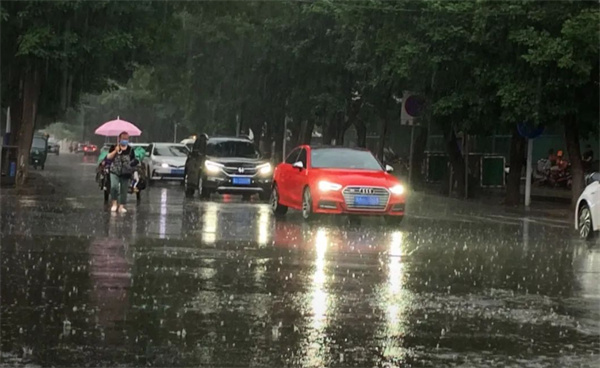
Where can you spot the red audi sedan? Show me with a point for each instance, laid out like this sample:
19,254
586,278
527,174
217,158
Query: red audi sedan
336,180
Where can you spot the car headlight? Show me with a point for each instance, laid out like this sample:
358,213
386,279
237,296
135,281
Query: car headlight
212,167
264,169
164,165
326,186
397,189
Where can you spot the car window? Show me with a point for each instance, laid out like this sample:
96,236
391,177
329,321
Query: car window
38,143
342,158
292,157
302,157
171,151
232,149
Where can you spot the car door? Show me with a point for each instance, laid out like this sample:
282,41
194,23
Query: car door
594,197
298,178
284,176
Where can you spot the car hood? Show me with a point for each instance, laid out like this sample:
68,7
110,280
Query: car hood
237,161
357,177
173,161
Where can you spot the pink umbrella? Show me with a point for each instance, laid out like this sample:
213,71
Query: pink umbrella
115,127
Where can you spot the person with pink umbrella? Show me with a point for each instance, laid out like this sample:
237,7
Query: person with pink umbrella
122,160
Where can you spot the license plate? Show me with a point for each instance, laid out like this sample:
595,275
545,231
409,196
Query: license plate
366,200
177,171
241,181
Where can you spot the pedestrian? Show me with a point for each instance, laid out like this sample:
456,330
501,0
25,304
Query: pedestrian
122,160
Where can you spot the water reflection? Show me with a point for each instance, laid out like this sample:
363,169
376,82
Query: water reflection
163,213
264,225
321,303
397,300
210,222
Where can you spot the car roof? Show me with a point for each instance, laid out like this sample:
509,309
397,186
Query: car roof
228,139
168,144
325,147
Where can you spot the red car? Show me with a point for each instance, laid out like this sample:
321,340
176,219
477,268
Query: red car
336,180
90,149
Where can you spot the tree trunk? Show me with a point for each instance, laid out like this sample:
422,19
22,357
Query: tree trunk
306,129
31,89
419,156
456,159
574,150
361,131
518,145
383,128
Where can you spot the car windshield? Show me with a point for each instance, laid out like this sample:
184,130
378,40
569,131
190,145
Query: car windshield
232,149
38,143
172,151
343,159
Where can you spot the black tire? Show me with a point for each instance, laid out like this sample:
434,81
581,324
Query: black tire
307,205
106,195
585,225
264,196
278,208
394,220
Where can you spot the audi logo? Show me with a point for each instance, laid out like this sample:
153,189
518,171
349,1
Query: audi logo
241,170
364,190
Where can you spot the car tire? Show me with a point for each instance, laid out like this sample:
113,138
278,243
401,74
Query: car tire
307,205
585,226
278,208
394,220
264,196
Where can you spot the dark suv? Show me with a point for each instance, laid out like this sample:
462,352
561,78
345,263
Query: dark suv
227,165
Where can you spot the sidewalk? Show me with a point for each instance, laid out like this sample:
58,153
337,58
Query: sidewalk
36,184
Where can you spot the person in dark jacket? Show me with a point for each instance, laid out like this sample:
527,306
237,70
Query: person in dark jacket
122,160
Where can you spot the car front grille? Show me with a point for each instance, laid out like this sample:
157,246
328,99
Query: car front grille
240,170
350,193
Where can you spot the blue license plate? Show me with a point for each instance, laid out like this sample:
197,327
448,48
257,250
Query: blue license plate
241,181
366,201
177,171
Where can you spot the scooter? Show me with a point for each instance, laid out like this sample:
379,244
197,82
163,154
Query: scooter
103,179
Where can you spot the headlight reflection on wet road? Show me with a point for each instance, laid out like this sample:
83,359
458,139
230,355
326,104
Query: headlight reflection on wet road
321,303
264,225
397,301
209,230
163,213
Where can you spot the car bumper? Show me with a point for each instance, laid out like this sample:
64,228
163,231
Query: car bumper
169,173
335,204
225,185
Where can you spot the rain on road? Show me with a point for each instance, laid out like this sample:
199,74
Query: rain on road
182,282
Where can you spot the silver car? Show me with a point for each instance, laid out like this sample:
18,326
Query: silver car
166,161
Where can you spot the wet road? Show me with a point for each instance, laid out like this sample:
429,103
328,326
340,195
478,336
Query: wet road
180,282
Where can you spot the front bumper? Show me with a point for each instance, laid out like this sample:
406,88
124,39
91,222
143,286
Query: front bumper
225,184
333,203
168,173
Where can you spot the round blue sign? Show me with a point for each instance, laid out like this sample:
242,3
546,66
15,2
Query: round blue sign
414,105
530,131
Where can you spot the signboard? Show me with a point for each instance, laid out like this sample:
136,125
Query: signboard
412,107
492,172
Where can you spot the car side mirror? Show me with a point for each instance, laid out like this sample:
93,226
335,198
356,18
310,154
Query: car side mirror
389,169
298,165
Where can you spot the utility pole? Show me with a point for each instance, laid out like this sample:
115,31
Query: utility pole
528,172
175,132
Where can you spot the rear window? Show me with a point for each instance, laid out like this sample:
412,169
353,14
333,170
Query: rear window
232,149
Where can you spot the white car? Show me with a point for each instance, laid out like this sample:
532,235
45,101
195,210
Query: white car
166,161
587,216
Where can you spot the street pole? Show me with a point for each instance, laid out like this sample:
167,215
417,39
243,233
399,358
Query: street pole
466,142
410,154
175,133
285,124
528,172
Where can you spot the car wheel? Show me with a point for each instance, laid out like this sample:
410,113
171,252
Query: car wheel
585,224
278,208
394,220
307,205
264,196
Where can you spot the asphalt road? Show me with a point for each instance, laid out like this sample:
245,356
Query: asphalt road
184,282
